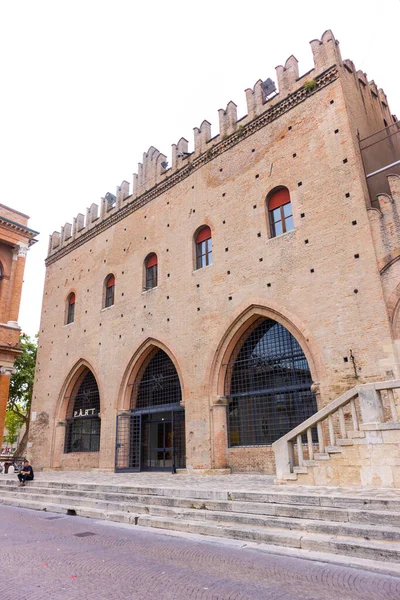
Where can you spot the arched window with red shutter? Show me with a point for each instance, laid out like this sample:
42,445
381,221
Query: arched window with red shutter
70,308
151,267
203,247
109,291
280,211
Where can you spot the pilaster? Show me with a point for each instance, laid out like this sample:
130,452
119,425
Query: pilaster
220,433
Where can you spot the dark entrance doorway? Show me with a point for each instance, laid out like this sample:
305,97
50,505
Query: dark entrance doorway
157,448
151,435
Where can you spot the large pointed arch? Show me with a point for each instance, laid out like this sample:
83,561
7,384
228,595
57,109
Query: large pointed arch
79,409
238,327
151,419
71,381
137,362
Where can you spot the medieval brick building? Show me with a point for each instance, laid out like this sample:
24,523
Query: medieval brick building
194,321
15,239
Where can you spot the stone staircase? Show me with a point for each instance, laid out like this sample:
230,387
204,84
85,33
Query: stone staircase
360,525
353,441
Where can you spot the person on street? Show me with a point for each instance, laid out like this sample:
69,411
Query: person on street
26,474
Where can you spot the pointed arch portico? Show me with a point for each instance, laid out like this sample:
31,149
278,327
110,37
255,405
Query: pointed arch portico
227,352
139,360
151,420
73,384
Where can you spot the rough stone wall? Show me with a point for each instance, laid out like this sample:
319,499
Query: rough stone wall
372,460
320,280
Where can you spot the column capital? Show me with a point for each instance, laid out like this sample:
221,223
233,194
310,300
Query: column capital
220,401
315,387
20,251
7,371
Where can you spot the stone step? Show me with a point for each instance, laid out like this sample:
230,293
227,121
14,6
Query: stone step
305,497
344,442
295,521
333,449
321,456
355,434
300,470
383,550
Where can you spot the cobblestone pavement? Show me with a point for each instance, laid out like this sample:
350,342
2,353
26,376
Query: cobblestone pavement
248,483
54,557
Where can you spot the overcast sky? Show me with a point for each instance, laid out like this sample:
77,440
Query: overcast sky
88,85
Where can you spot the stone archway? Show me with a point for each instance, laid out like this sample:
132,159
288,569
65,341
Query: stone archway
77,426
281,406
151,429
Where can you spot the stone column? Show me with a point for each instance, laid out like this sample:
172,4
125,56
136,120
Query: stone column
220,433
5,375
17,276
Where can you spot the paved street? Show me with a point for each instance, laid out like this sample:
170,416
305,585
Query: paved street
52,557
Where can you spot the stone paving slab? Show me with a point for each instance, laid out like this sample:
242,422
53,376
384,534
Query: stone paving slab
236,482
70,558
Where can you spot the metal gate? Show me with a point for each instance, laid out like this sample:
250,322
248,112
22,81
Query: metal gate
127,453
136,450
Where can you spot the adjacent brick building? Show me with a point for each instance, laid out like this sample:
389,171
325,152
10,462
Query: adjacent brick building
15,239
227,297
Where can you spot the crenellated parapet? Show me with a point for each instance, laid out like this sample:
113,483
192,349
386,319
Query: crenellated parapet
154,175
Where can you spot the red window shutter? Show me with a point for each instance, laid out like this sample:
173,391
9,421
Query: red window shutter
72,299
204,234
279,198
151,261
111,281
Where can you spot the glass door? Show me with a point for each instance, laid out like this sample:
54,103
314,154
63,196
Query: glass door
157,441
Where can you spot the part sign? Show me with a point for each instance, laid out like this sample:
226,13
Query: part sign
84,413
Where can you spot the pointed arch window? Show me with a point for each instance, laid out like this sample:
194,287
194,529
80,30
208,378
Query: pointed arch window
83,420
280,211
109,291
71,308
203,247
268,384
151,268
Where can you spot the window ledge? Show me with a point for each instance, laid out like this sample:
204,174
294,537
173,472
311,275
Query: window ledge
68,324
202,268
150,290
282,235
107,307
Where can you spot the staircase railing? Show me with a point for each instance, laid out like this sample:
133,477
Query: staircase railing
341,419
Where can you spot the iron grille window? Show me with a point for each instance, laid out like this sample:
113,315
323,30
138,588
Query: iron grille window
268,384
157,384
83,421
151,277
204,253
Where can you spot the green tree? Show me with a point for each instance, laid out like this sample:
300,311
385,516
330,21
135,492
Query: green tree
21,387
13,425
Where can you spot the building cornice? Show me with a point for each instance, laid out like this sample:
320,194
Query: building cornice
244,131
20,229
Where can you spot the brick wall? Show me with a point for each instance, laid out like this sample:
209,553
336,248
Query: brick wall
320,281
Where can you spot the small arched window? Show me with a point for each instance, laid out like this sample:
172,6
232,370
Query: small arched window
110,289
70,308
203,247
151,265
280,211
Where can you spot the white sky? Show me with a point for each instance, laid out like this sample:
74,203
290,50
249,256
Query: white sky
88,85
